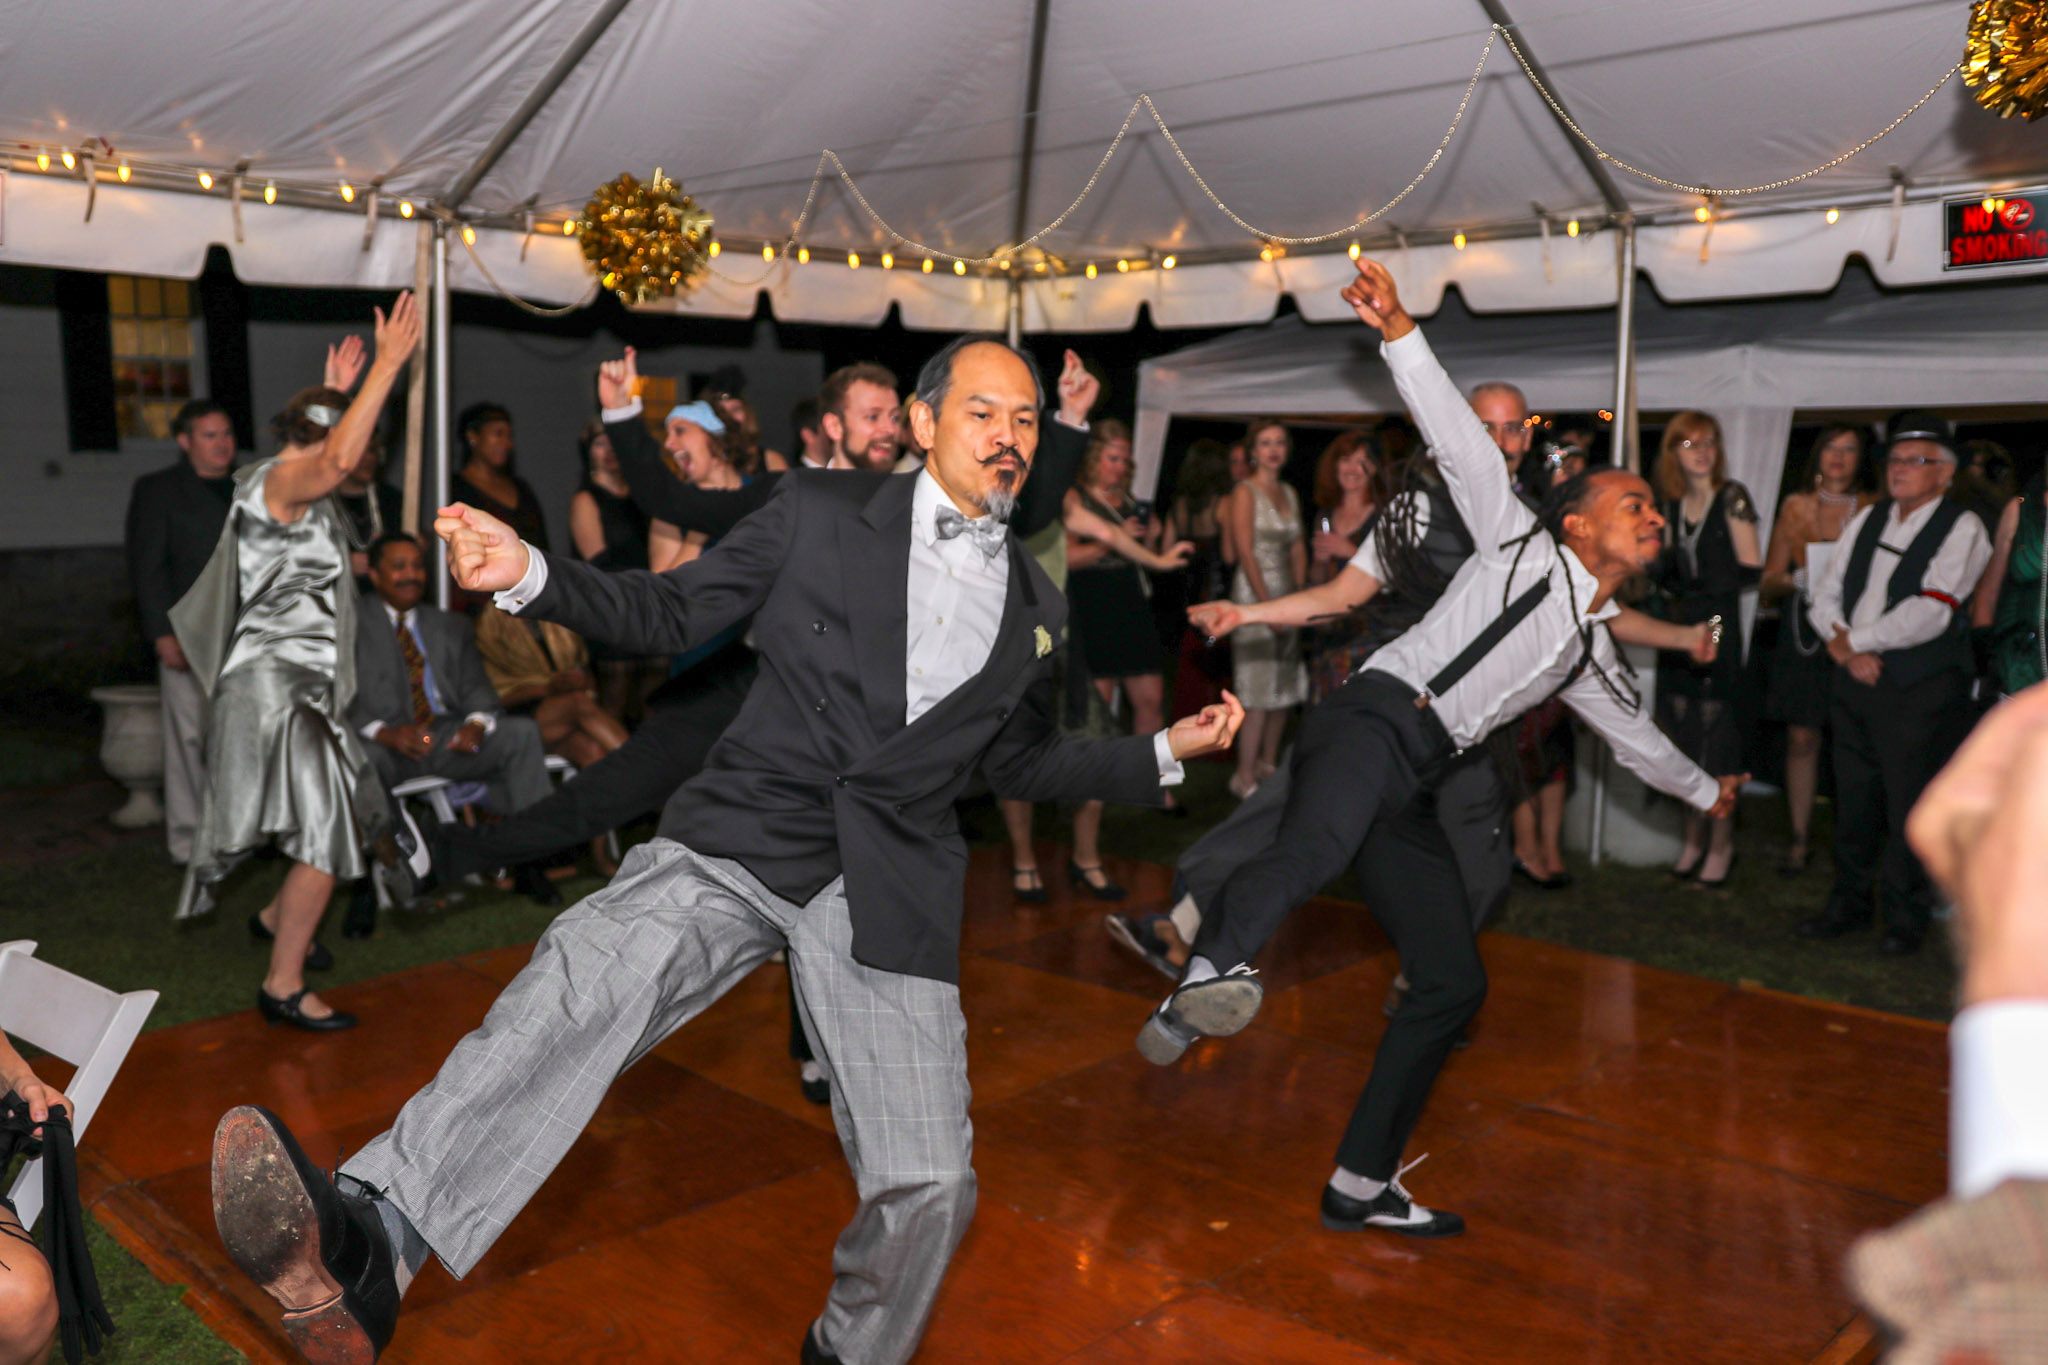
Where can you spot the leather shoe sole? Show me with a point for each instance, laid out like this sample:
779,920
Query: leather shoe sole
270,1224
1215,1008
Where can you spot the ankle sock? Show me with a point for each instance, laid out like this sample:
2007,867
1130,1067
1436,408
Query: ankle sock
810,1072
1356,1186
1199,969
409,1250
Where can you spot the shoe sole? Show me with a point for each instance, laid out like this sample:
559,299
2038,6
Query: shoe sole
1159,1044
1420,1230
1121,935
1221,1008
271,1230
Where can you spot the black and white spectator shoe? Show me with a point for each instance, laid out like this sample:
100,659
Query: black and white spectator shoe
1214,1007
1392,1210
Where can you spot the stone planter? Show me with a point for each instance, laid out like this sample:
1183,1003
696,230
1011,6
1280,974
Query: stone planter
132,750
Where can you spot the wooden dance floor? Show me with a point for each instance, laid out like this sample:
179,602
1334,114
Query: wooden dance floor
1654,1167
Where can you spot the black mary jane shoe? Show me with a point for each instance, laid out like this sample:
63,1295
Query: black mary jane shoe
1027,886
1107,890
288,1011
321,1254
318,958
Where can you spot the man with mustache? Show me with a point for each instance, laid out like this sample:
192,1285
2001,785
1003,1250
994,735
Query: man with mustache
1521,621
905,641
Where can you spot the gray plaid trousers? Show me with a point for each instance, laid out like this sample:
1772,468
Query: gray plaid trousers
624,968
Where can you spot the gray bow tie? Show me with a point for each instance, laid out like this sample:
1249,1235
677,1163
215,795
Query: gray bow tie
986,532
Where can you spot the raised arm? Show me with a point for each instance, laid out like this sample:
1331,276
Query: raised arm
1062,442
1470,462
292,484
656,491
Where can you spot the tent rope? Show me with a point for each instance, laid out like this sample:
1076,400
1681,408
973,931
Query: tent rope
450,220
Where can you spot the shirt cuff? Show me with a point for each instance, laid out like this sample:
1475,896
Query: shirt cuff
484,718
515,598
1070,426
1998,1107
1861,646
1171,774
370,731
631,410
1705,791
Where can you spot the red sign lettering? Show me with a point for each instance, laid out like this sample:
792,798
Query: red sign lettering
1995,231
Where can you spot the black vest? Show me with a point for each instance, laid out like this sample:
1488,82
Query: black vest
1951,648
1445,546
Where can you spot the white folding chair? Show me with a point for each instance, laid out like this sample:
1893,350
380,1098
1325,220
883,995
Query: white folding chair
69,1017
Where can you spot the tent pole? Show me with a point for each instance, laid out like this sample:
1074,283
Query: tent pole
1626,454
1014,328
439,318
1027,142
1610,193
543,90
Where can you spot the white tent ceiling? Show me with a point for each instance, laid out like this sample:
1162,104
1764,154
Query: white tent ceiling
1302,115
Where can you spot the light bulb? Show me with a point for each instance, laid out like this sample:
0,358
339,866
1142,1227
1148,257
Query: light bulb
803,255
1989,205
712,251
767,251
853,260
270,192
348,193
123,171
1571,229
1038,267
1122,266
1353,251
70,160
1458,241
206,180
1003,264
1090,271
959,267
569,228
43,164
888,261
1702,214
927,266
468,235
1265,253
1834,217
405,208
1169,262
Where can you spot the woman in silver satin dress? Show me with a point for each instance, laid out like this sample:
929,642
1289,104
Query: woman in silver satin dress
270,629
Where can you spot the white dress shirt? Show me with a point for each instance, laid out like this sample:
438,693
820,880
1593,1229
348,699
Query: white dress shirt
1540,652
1953,571
953,605
1998,1095
412,626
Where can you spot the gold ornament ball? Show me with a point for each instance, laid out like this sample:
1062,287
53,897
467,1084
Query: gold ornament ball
2005,57
645,242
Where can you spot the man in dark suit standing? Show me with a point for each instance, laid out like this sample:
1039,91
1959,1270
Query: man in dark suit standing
904,641
424,705
174,521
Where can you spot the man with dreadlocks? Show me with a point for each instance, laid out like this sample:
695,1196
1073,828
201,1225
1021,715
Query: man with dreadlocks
1518,623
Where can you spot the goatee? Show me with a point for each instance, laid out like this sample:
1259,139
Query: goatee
1000,503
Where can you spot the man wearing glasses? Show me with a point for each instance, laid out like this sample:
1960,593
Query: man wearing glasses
1890,604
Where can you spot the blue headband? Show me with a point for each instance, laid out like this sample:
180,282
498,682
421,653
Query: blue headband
699,412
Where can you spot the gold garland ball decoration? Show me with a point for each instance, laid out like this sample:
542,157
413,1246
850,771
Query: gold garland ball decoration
2005,58
645,242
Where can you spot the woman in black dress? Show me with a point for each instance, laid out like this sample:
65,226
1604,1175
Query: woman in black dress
1712,552
610,533
486,480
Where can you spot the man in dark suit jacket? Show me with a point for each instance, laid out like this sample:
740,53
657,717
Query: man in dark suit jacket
443,718
174,520
904,641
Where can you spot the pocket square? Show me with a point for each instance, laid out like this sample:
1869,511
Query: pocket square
1044,641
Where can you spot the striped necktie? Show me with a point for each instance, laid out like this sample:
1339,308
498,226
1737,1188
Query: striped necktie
415,672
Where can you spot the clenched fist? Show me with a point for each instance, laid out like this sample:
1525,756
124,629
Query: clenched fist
484,554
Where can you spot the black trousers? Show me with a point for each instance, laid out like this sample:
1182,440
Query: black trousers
1362,786
1889,743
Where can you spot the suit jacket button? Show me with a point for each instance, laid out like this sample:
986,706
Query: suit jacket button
840,780
1003,715
899,808
820,706
818,626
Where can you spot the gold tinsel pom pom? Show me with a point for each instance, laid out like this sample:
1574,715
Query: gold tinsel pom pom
2005,60
645,242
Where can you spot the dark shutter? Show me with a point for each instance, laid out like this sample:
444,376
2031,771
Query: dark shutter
224,303
88,361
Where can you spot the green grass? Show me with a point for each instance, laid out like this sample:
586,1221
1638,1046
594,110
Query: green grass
47,757
151,1322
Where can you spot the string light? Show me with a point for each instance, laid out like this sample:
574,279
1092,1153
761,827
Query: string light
888,261
1003,264
206,180
123,171
405,208
1571,229
270,192
1266,253
1169,262
927,266
767,252
853,260
1354,251
1090,271
1606,416
959,267
468,235
43,162
70,160
1458,241
803,255
713,250
348,193
1834,217
569,228
1702,214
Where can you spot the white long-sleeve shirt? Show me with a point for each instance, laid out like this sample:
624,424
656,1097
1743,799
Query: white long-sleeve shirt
1953,571
1540,652
1998,1105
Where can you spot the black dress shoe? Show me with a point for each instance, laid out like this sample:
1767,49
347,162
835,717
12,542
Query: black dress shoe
1139,934
288,1011
817,1090
318,959
813,1353
1716,883
1896,943
1392,1210
1105,890
1026,886
1831,925
531,882
320,1253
